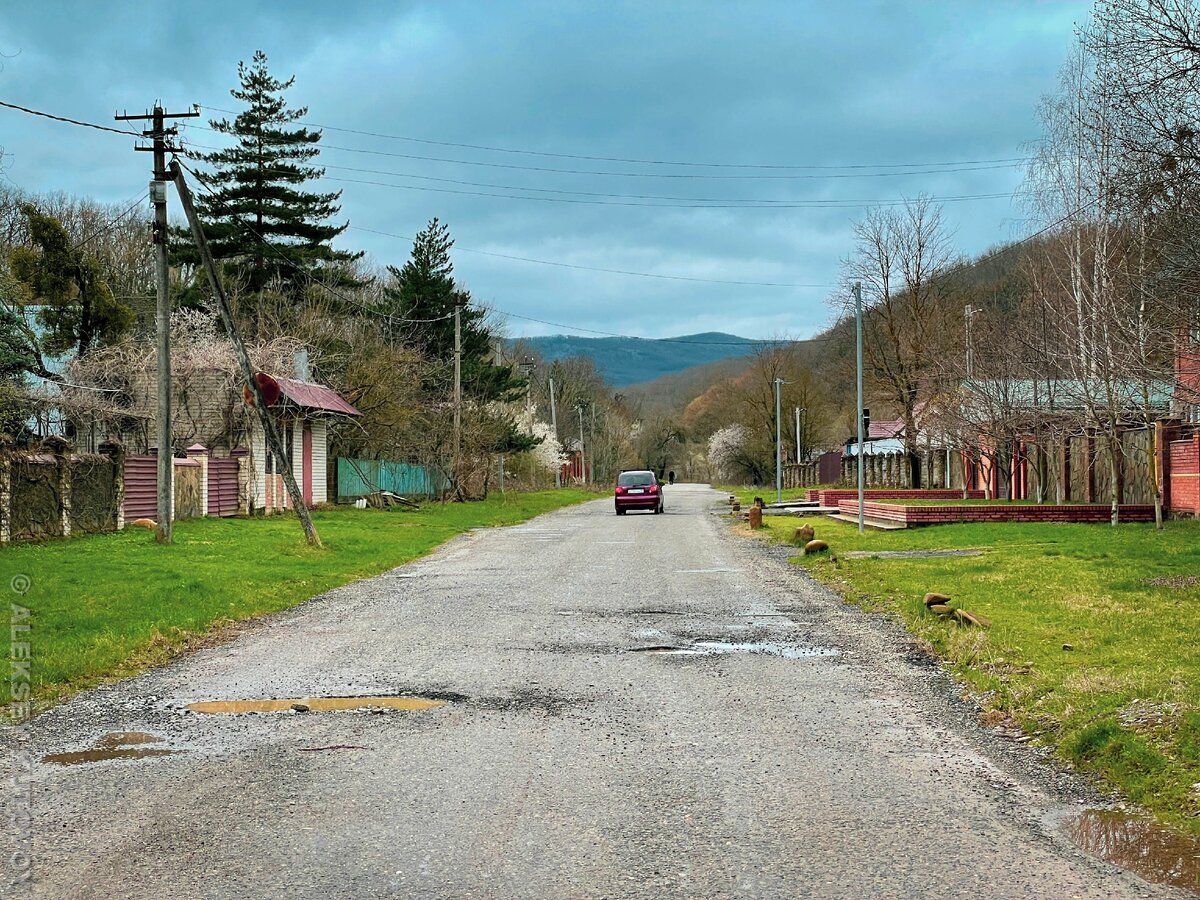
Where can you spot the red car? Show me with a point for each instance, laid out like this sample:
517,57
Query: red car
638,490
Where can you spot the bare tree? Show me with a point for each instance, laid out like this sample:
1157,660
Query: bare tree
902,257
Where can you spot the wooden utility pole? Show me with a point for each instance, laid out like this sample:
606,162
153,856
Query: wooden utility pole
162,320
269,425
457,400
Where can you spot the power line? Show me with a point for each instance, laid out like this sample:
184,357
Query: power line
547,262
391,318
622,159
112,223
928,170
68,121
700,202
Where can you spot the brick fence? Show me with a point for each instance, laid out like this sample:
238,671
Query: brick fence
832,497
1008,512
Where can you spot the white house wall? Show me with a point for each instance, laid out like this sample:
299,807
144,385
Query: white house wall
320,443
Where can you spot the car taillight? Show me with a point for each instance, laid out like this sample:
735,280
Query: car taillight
620,490
652,488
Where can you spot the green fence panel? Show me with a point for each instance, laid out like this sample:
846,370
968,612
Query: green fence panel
359,477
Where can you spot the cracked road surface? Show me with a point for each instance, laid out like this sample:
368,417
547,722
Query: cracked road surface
574,755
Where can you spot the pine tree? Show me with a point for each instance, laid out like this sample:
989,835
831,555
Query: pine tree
256,212
419,306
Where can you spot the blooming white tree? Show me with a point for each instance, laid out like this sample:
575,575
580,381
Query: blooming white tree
725,450
549,453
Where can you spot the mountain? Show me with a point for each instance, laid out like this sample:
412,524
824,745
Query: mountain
625,361
672,393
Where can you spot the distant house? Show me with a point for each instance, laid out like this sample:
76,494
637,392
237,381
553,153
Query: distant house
303,411
1187,377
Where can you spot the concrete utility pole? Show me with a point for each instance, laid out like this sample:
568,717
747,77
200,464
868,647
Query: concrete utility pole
554,428
582,446
778,444
269,426
969,311
158,133
858,340
798,460
457,398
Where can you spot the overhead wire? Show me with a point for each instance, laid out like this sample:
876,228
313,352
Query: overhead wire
679,202
390,317
631,160
679,175
547,262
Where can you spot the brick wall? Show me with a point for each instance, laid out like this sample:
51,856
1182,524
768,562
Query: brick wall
945,515
1185,475
833,497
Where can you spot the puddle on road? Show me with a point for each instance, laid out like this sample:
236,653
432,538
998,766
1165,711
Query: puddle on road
715,648
1141,845
314,704
114,745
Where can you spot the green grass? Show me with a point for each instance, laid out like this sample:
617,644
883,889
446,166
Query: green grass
1124,703
107,606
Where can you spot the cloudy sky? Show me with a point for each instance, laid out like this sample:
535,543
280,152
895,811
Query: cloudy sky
586,122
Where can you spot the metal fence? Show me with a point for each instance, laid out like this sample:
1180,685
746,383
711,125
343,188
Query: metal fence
359,477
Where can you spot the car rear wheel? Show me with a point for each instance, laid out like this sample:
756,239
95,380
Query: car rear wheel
620,512
658,510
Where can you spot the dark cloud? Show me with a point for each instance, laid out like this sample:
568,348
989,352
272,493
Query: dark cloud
813,84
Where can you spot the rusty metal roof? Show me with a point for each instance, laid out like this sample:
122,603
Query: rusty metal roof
315,396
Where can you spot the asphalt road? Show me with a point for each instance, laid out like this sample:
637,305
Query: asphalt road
566,762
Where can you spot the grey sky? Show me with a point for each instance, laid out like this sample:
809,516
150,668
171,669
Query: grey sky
790,83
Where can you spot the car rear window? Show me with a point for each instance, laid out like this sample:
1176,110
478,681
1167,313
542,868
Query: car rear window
632,479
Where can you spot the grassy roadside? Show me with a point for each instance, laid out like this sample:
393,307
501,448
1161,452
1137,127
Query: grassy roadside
108,606
1124,701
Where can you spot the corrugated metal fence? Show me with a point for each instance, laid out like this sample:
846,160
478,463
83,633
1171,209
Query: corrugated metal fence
359,477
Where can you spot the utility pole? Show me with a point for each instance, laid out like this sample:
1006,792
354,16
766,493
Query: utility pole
798,460
969,311
457,398
858,340
778,445
582,446
158,133
554,428
266,420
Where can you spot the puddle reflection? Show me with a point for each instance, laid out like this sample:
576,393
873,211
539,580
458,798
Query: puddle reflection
1140,845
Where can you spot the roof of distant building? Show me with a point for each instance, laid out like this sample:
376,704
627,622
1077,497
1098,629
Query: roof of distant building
314,396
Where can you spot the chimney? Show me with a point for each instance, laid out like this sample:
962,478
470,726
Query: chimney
301,371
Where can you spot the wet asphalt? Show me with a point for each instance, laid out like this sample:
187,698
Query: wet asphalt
573,755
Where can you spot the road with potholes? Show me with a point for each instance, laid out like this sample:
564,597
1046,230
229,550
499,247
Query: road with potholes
797,747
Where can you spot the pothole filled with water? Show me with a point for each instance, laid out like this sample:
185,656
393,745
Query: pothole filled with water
314,704
1141,845
114,745
716,648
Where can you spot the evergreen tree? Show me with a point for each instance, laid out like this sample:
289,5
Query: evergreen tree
256,211
74,304
419,305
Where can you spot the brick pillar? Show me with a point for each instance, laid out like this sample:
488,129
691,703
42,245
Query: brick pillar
1196,456
115,452
242,455
1165,431
1064,470
199,453
62,471
1089,460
